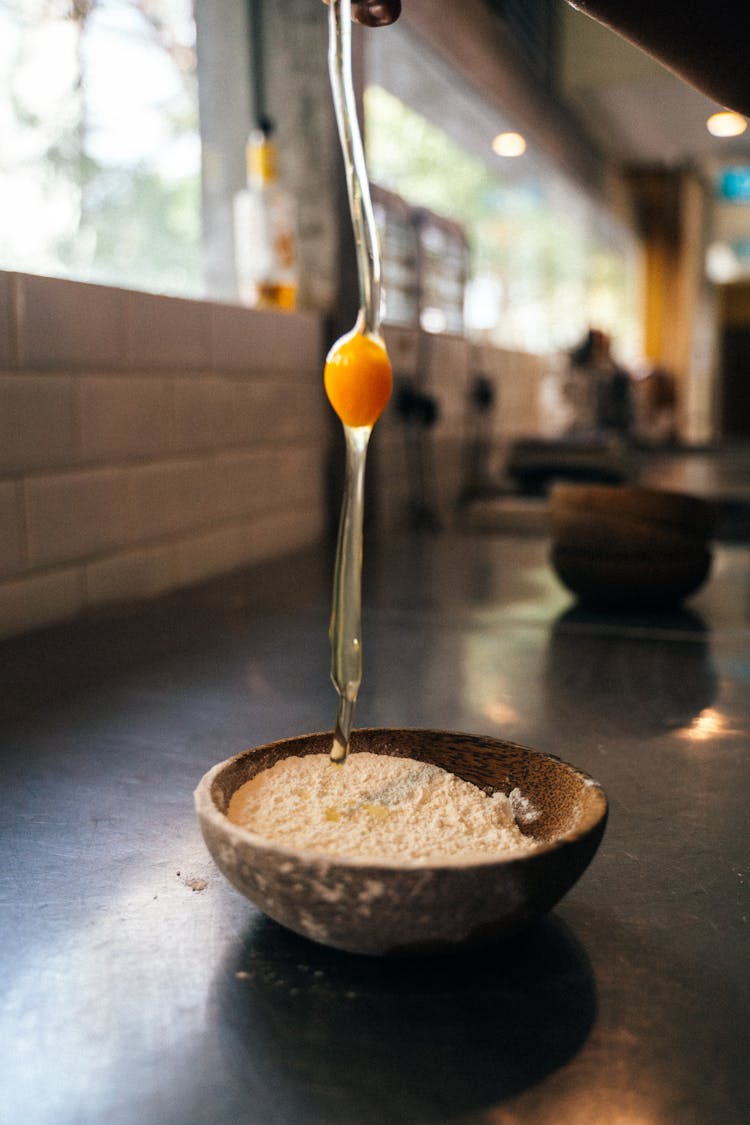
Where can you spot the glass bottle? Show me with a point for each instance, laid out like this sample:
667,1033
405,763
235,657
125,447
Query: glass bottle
265,229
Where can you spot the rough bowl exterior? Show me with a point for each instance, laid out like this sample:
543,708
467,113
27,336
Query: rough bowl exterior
400,909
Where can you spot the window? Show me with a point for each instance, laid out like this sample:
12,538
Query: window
546,261
100,160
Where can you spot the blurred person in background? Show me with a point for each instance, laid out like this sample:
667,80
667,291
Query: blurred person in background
598,389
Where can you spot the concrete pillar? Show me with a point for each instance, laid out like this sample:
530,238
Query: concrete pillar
298,100
670,208
292,89
226,110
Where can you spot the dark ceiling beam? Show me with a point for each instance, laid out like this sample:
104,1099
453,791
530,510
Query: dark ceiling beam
469,36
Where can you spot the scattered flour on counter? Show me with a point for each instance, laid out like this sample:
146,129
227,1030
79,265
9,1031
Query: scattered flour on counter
379,807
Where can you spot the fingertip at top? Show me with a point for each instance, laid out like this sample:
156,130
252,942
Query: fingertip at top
377,13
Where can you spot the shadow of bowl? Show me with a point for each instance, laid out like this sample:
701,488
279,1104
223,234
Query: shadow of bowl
379,1040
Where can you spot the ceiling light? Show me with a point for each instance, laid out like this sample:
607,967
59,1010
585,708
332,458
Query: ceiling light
509,144
726,124
721,264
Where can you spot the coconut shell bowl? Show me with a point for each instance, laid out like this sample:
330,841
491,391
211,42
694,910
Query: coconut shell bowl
402,908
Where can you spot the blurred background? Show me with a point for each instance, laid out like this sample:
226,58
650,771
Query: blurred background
550,199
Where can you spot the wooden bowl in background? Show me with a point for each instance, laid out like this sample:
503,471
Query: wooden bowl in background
629,547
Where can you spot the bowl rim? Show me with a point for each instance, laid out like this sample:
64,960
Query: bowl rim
593,820
640,503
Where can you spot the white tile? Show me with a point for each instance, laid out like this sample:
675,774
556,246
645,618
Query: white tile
36,422
39,599
11,549
167,332
205,413
77,515
247,481
123,416
248,541
298,477
271,479
448,377
69,324
491,361
269,410
170,497
130,576
448,357
217,551
402,345
265,342
282,533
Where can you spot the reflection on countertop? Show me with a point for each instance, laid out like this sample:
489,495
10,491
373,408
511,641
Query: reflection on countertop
640,674
140,988
341,1038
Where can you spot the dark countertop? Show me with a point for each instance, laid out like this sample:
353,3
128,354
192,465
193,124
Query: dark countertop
139,988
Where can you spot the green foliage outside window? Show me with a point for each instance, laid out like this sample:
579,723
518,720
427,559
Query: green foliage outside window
100,166
555,262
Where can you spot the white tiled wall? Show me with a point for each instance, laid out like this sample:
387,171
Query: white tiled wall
148,442
516,377
445,367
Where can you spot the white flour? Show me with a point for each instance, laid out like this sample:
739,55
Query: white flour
379,807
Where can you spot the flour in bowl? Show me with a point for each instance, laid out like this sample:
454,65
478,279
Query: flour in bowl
379,807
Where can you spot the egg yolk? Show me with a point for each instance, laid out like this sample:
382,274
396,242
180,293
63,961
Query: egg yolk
358,379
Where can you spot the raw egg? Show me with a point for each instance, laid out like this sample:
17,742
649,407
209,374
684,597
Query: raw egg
358,379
